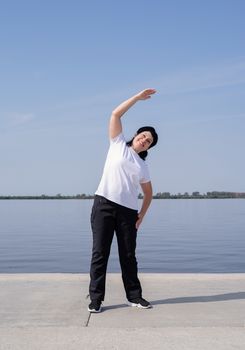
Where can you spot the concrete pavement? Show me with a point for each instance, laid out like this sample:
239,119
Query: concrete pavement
190,311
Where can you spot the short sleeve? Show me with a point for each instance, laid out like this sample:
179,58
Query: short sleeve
118,139
145,175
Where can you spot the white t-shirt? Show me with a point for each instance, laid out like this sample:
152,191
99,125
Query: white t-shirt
124,170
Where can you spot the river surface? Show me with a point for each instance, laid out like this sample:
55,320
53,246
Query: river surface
198,235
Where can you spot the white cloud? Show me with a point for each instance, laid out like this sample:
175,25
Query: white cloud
192,79
199,78
15,121
20,119
205,119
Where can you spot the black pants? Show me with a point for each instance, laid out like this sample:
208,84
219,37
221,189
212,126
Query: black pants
107,217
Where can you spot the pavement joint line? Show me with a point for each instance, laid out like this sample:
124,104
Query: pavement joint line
89,316
89,313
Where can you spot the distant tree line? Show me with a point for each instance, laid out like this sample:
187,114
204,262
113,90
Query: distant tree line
198,195
159,195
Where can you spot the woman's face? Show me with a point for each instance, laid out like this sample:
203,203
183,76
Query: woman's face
142,141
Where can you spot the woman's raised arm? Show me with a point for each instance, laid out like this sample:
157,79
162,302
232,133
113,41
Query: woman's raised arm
115,125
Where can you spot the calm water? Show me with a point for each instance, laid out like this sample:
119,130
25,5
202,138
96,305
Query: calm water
176,236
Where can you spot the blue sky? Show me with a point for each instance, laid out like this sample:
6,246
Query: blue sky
64,65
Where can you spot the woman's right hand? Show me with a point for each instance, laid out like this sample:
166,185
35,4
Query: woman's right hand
145,94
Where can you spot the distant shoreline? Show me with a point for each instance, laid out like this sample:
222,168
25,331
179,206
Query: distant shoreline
159,195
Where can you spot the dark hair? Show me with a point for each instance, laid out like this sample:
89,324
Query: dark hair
144,154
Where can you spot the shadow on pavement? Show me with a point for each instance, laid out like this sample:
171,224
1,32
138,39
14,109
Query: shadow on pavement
201,299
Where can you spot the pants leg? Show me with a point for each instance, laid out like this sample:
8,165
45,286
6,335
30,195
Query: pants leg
126,237
103,226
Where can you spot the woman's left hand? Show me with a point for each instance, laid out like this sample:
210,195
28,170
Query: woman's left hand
139,221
